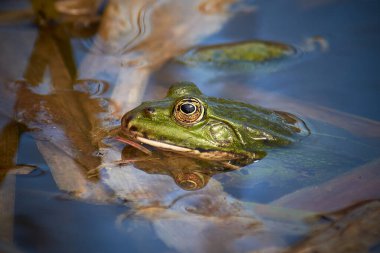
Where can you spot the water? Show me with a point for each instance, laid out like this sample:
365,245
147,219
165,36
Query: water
128,59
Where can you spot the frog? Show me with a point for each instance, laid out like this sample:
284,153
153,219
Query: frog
189,122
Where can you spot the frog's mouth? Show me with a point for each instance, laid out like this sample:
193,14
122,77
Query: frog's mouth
135,138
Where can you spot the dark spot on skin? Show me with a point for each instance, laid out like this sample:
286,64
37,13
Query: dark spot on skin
295,129
149,110
289,118
133,129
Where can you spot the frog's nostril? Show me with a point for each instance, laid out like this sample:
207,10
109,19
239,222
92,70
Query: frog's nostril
133,129
125,121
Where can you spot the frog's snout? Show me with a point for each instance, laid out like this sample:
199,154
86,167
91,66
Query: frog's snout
125,121
126,125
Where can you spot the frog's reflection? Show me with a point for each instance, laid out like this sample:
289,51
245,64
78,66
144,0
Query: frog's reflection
189,173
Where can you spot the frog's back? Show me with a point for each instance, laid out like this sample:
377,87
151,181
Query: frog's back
256,124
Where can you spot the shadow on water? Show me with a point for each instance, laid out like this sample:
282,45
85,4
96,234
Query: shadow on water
70,70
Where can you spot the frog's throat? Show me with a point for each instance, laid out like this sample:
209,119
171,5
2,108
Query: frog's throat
208,155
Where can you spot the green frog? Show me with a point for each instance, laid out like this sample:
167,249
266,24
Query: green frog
187,121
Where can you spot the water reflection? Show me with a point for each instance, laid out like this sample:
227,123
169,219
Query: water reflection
71,13
191,220
189,173
125,25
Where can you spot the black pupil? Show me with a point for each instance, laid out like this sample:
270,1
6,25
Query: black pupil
187,108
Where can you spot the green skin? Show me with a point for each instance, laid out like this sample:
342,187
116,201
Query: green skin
228,129
248,51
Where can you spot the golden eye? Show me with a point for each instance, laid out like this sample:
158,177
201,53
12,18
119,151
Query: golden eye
188,111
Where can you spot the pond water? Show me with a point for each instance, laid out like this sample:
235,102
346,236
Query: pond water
69,71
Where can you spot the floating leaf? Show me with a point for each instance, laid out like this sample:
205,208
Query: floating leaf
248,52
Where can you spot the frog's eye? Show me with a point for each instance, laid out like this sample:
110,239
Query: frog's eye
188,111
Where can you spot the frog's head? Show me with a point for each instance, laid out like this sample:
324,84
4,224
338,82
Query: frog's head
188,121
